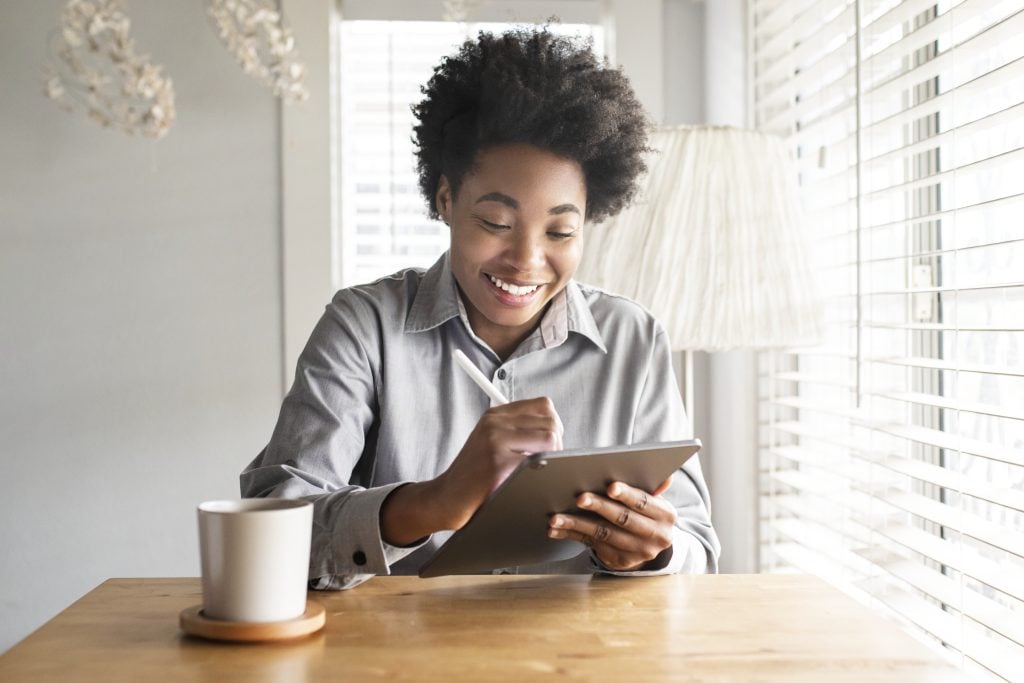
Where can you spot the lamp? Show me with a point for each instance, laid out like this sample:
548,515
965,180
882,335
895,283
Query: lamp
713,244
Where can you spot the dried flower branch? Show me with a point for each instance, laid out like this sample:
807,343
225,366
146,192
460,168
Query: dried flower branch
255,34
97,69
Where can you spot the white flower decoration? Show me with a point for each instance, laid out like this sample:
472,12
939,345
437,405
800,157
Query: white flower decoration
254,33
97,69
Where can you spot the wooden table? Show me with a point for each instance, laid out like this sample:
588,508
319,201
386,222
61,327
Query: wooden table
480,628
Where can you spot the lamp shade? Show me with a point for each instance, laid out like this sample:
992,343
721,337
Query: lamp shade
714,244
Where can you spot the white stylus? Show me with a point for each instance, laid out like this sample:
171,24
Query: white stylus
474,374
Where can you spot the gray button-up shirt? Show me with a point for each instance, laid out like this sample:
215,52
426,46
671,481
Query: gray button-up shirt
378,402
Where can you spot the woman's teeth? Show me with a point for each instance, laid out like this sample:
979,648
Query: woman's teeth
514,290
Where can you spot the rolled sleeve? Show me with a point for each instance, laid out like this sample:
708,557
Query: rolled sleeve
350,548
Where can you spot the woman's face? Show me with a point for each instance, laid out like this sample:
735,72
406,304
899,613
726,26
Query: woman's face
517,237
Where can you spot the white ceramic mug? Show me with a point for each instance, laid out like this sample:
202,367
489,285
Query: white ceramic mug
255,558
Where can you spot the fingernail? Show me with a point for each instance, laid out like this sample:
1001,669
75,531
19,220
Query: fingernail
585,502
613,490
558,521
552,533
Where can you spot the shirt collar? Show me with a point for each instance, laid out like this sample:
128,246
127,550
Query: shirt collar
579,318
437,301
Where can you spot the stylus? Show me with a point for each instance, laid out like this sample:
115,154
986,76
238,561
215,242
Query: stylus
474,374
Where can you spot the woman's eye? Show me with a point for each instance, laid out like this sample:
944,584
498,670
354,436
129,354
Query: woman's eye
555,234
494,226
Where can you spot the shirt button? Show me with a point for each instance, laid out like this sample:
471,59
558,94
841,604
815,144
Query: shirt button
359,557
502,374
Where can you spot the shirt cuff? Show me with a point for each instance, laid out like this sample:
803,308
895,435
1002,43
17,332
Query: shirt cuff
686,555
357,550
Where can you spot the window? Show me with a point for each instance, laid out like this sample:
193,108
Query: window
892,456
384,226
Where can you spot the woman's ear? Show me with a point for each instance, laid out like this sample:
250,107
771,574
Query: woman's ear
443,200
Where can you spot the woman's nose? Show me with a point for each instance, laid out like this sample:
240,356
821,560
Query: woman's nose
527,253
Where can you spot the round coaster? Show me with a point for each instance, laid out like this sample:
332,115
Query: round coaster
194,623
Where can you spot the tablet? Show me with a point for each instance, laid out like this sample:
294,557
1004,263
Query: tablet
510,528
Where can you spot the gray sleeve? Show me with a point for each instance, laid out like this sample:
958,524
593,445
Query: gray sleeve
660,416
317,449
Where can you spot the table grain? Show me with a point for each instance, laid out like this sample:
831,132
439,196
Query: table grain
483,628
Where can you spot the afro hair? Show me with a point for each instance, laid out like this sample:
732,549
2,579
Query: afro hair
533,87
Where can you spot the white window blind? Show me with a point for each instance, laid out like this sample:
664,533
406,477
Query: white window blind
892,457
383,219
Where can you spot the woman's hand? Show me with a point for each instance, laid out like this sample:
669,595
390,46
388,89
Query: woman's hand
501,439
633,527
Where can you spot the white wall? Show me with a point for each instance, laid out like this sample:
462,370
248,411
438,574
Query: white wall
684,62
731,397
725,70
140,352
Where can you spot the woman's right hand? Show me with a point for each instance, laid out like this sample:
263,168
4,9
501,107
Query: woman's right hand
503,436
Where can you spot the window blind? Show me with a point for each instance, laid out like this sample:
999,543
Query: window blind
383,222
892,456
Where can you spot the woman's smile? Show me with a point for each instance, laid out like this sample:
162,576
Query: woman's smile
512,292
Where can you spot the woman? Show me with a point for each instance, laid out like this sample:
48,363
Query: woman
522,139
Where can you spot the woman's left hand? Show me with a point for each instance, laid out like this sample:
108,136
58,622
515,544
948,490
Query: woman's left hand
633,527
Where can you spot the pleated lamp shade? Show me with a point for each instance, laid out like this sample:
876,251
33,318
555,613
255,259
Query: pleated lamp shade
714,244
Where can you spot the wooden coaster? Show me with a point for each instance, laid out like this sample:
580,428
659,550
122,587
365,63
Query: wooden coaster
194,623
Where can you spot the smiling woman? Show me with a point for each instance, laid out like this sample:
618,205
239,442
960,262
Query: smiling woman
523,137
